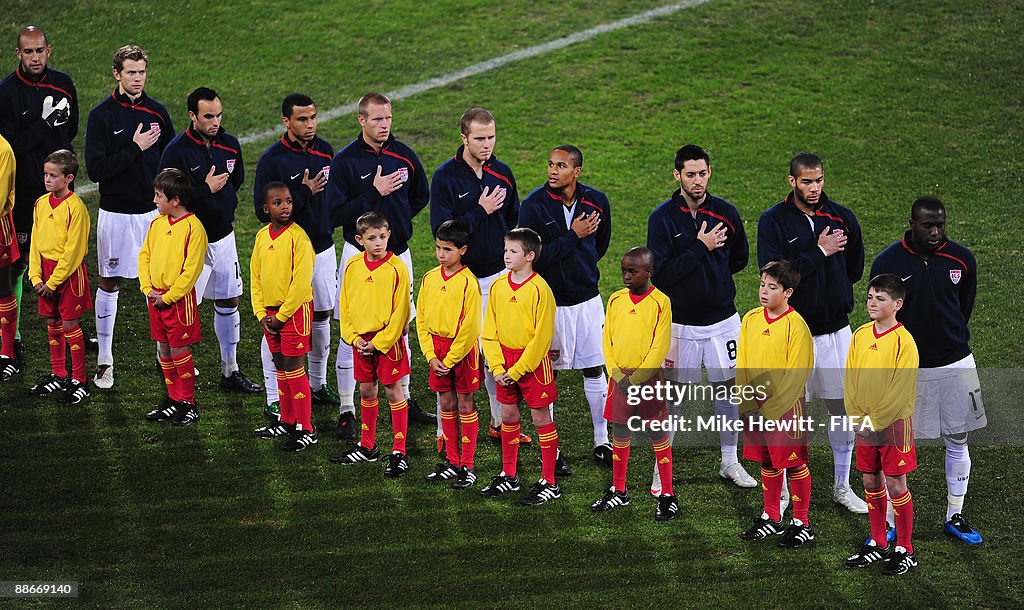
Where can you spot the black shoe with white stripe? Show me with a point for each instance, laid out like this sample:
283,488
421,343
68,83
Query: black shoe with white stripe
73,392
466,478
187,415
611,499
541,492
900,562
763,527
356,454
165,411
797,534
502,484
47,385
397,465
299,440
8,368
667,509
273,430
444,471
867,555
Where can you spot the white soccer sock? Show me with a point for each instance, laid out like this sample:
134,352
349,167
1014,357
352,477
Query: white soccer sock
841,436
958,475
440,431
492,397
346,378
106,314
226,325
320,350
269,372
596,390
405,380
727,439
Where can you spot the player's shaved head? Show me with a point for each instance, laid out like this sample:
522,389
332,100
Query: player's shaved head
30,30
803,161
641,255
575,154
927,204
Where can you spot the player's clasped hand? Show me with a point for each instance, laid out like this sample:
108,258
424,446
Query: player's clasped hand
145,139
832,242
491,201
438,367
584,225
365,347
318,182
388,184
714,238
271,325
156,298
43,290
504,379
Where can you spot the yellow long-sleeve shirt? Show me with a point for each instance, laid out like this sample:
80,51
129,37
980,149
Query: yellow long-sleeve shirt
375,298
172,256
60,232
777,354
527,322
450,307
637,334
7,170
281,271
881,375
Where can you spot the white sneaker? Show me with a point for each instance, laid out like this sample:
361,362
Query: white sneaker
784,499
656,483
104,377
845,496
737,474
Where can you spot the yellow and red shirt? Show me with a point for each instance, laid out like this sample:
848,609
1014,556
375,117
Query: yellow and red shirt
881,375
449,306
281,271
527,322
637,334
775,355
375,299
171,257
60,233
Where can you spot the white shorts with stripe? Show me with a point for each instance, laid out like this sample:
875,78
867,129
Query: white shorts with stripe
119,237
830,353
949,400
713,345
325,280
577,342
221,277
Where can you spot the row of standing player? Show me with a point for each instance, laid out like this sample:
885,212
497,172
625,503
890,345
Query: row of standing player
475,169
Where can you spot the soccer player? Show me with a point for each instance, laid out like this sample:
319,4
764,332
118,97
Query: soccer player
281,269
637,335
374,305
212,159
823,240
699,243
449,334
773,362
574,224
375,172
38,115
941,277
302,161
9,254
170,263
479,191
879,390
126,134
60,241
517,354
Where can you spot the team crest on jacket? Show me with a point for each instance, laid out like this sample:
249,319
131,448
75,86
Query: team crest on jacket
403,173
231,165
327,171
153,126
955,275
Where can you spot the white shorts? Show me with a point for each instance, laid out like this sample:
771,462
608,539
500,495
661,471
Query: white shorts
830,352
714,346
325,280
347,252
579,333
119,237
949,400
221,277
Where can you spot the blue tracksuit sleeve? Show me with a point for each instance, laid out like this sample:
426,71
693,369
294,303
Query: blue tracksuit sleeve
265,174
345,207
969,288
854,251
442,207
770,242
668,268
101,162
419,190
739,247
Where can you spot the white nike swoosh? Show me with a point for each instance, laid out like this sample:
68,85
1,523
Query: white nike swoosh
194,168
295,176
25,112
463,195
117,131
908,277
676,235
794,239
364,177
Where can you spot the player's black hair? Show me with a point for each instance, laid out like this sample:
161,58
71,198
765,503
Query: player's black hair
527,238
453,231
926,203
173,183
129,51
293,100
803,160
641,253
270,186
890,284
200,93
783,271
65,160
371,220
575,154
475,115
691,152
